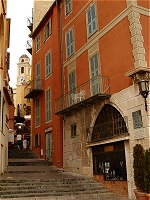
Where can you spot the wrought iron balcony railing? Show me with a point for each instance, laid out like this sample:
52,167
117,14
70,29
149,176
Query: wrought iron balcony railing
107,130
90,92
29,46
30,23
34,88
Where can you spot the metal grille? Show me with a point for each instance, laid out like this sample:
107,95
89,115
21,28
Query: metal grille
108,124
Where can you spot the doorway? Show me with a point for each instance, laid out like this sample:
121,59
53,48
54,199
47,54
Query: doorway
48,145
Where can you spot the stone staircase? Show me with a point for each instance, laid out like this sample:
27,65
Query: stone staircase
28,177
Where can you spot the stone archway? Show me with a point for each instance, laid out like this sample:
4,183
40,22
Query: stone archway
109,124
109,162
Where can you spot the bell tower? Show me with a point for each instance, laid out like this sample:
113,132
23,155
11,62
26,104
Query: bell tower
23,70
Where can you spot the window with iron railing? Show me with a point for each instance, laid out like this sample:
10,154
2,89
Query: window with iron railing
109,123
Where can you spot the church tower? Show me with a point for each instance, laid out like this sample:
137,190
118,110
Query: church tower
23,77
23,70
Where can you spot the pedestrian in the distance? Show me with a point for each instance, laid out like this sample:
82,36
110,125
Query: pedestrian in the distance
24,141
19,140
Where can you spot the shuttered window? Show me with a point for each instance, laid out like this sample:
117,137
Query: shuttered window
91,20
37,75
37,140
72,87
48,64
48,29
94,74
48,105
68,6
69,43
37,112
38,43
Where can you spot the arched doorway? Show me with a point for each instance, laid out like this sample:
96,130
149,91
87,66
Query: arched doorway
109,153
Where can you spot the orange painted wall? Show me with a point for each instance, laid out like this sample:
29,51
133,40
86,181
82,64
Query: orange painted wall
53,82
143,3
107,10
115,49
145,23
116,56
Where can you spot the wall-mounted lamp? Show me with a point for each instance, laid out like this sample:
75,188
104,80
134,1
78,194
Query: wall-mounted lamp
144,90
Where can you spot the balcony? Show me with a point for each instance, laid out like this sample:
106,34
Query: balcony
30,23
92,91
34,88
29,46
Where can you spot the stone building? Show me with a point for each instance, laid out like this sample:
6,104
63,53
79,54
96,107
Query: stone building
6,94
91,58
105,51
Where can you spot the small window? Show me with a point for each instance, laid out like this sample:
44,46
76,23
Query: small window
73,130
22,70
37,141
48,64
68,6
91,20
47,29
48,105
70,43
38,43
37,111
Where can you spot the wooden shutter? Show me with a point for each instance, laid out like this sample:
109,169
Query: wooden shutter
50,26
44,33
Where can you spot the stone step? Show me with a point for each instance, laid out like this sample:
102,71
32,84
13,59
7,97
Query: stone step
50,185
42,193
49,181
16,153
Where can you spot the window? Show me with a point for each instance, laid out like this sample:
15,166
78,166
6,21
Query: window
72,87
38,43
37,76
73,130
69,43
37,141
68,6
91,20
37,112
47,29
48,105
48,64
109,160
94,75
22,70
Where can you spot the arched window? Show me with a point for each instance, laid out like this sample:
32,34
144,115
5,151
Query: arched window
109,123
22,70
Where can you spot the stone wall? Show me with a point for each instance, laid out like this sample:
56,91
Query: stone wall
78,153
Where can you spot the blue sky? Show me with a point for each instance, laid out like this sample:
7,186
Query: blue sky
18,11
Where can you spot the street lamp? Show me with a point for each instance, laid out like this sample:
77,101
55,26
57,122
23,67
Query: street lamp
144,90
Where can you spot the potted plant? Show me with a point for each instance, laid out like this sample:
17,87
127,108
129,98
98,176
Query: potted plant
138,167
147,173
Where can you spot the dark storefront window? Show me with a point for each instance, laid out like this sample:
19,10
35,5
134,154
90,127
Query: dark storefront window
109,160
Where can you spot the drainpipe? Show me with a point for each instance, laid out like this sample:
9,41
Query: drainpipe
62,71
4,13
